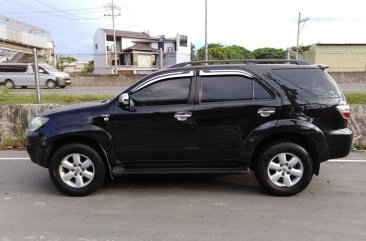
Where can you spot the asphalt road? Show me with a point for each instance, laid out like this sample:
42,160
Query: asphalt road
159,208
114,90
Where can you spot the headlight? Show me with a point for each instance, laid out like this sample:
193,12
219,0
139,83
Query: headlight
37,122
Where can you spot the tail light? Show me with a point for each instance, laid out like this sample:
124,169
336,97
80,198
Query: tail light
345,111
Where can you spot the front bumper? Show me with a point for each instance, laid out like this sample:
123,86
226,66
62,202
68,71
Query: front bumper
63,82
339,142
36,148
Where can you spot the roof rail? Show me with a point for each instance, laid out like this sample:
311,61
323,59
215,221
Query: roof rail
241,61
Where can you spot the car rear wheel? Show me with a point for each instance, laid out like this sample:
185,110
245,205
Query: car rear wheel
77,170
9,84
284,169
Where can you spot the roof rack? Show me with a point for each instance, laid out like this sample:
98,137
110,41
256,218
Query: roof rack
241,61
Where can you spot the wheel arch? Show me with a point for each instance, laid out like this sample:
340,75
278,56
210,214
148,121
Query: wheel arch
7,80
81,140
307,143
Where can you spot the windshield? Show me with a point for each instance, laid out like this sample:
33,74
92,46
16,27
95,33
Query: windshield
50,68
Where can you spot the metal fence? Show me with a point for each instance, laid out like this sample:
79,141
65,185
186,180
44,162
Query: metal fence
98,76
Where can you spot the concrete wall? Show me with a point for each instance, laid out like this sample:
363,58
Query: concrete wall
348,77
14,119
340,57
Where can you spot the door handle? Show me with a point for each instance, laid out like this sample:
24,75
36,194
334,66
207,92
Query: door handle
182,116
267,111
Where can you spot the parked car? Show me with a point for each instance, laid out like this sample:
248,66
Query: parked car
280,119
22,75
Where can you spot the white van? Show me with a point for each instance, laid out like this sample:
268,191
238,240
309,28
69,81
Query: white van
22,75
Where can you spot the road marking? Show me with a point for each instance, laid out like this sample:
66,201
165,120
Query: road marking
345,160
15,158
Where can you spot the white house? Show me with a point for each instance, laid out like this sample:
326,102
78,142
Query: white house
137,52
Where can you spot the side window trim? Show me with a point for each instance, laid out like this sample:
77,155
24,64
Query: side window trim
162,77
226,72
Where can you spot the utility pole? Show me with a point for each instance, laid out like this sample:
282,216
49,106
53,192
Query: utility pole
301,20
206,45
111,6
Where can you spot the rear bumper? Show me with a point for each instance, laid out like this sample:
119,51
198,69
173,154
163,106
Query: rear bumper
339,142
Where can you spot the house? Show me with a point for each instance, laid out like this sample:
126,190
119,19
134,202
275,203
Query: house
137,52
348,57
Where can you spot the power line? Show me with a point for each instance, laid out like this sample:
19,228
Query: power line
47,5
49,14
81,10
28,7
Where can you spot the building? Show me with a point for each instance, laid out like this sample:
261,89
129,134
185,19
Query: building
20,38
350,57
137,52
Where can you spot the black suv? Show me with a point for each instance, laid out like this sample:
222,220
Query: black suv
280,119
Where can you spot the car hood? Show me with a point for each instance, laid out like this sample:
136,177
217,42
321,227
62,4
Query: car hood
61,75
75,108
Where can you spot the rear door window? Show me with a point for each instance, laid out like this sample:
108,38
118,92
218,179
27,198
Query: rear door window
313,81
226,88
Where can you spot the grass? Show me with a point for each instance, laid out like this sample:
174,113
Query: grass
17,143
359,146
356,98
9,98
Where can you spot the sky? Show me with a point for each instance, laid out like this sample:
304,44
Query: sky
250,24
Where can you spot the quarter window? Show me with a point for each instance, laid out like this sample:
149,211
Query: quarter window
226,88
166,92
260,93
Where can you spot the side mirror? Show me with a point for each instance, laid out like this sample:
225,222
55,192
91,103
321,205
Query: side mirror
124,99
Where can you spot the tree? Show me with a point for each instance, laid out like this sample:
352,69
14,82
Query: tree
238,52
302,49
68,59
64,60
217,51
269,53
89,68
193,52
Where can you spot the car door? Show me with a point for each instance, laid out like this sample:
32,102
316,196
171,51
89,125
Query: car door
157,130
230,105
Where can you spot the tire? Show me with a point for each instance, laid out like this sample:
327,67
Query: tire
72,172
62,86
50,84
9,84
284,169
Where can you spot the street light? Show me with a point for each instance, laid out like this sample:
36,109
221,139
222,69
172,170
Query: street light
301,20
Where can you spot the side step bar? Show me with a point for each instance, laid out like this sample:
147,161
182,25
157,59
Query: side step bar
118,171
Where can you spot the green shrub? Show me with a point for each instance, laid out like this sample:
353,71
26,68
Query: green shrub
356,98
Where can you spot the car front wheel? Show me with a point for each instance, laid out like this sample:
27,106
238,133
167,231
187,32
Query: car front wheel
284,169
77,170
